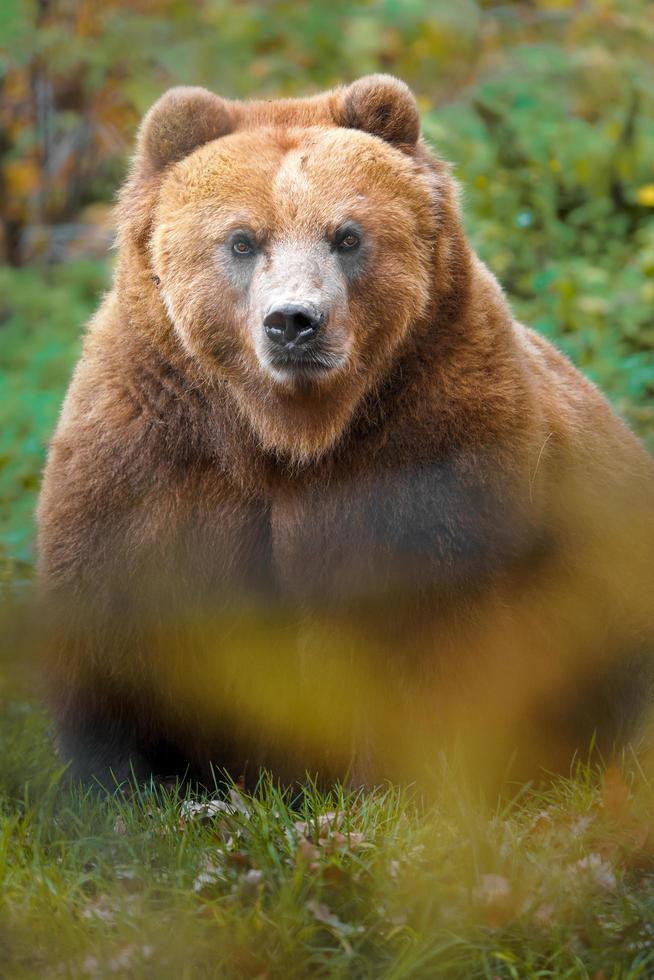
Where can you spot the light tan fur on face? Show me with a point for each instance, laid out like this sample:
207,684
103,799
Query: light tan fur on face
294,189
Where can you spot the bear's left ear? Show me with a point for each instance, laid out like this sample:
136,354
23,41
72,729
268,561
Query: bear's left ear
382,106
179,122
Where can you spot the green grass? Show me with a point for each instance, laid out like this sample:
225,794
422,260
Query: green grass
558,883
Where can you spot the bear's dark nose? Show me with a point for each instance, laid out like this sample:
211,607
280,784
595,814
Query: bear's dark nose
292,324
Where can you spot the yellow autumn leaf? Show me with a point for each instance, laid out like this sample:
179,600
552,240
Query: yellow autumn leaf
22,177
645,195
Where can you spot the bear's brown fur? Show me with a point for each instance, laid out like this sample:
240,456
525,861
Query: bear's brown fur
425,521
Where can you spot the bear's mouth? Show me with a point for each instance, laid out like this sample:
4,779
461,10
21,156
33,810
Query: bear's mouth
302,362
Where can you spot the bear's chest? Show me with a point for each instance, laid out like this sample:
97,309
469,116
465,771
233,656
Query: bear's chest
423,527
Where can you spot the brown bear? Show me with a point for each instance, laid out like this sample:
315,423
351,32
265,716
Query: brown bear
316,501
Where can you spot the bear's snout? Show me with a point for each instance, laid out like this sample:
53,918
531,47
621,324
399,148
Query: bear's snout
290,325
294,344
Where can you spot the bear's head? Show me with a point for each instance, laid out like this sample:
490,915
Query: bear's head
296,246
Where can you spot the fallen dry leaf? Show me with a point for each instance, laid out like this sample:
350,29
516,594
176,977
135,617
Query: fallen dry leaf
492,889
322,913
253,877
102,908
239,803
594,868
129,879
494,895
120,827
192,811
212,874
324,823
308,851
580,824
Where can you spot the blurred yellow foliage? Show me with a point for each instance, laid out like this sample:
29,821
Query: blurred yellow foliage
645,195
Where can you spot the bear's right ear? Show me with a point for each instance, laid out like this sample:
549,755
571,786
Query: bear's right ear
181,120
383,106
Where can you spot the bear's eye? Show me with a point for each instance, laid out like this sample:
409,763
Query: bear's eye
348,241
242,246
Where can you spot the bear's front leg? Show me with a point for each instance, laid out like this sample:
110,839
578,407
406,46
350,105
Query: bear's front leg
103,751
135,572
